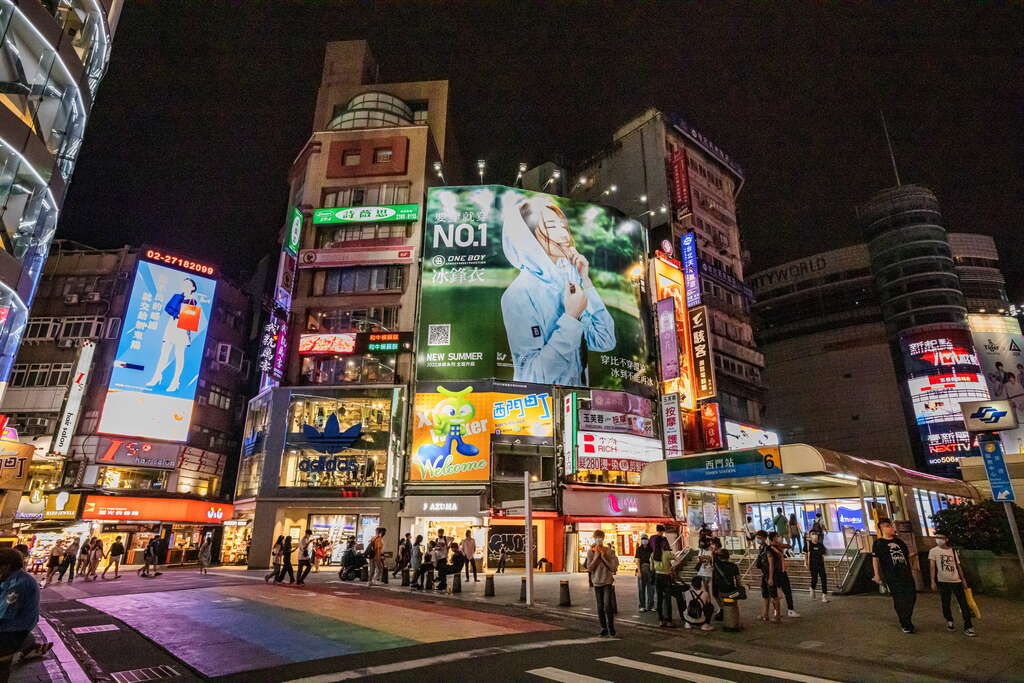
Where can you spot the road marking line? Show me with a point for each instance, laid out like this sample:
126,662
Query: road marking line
408,665
95,629
748,668
553,674
663,670
74,671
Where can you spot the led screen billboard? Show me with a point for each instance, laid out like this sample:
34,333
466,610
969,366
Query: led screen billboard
453,423
1000,347
668,284
159,354
531,287
942,370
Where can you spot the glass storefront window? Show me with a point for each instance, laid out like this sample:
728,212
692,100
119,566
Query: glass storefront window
250,468
130,478
623,537
359,369
339,441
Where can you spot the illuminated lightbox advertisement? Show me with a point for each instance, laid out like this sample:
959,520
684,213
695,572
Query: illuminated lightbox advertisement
159,354
942,370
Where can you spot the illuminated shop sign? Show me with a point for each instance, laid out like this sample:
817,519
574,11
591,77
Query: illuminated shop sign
367,214
73,401
711,427
739,435
180,262
679,174
668,283
672,425
61,505
576,502
383,343
155,509
293,236
703,360
113,451
757,462
691,276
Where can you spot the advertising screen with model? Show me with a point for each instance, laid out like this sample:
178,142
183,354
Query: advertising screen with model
159,355
560,280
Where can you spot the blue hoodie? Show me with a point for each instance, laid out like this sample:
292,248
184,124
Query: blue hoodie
543,339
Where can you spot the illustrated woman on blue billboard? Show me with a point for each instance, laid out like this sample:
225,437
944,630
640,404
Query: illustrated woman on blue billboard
183,309
552,306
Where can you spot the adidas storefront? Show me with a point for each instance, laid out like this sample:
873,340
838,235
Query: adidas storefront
327,460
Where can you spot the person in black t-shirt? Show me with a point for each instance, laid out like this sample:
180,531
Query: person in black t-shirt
891,560
814,560
644,575
115,553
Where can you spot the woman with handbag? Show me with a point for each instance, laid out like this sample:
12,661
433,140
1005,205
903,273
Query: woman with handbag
184,310
949,580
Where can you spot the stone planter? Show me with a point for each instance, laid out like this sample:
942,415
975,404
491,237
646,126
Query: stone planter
992,574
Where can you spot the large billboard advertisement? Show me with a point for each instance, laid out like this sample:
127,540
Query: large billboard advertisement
942,370
668,284
1000,347
159,354
531,287
453,423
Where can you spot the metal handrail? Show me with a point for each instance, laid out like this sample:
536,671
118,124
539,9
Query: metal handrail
846,552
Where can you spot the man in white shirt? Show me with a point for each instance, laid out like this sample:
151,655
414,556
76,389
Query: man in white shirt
948,578
748,532
468,547
305,557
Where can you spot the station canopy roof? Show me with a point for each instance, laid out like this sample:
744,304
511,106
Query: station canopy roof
793,465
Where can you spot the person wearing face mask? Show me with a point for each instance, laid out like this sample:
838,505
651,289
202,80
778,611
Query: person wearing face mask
949,580
553,313
814,560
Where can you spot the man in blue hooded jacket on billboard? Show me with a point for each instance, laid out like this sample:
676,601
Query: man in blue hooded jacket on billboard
552,305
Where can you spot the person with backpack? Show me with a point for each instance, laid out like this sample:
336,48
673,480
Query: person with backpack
644,575
602,563
795,536
275,560
949,580
375,557
699,606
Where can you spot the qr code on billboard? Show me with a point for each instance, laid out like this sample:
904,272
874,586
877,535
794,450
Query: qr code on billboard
439,335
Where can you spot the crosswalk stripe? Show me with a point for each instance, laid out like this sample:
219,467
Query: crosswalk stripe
554,674
748,668
664,670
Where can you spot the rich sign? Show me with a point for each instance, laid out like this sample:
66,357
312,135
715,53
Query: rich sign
155,509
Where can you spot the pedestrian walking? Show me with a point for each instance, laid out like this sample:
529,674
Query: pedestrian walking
305,557
644,575
375,556
151,558
602,563
415,561
54,561
68,559
781,523
814,560
286,562
890,559
319,554
275,560
95,557
82,566
502,558
661,563
114,556
19,598
402,556
949,580
779,574
795,535
468,547
749,530
699,605
818,526
205,555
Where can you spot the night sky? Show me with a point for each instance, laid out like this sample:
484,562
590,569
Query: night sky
207,103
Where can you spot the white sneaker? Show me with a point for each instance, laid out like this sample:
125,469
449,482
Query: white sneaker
791,613
824,598
812,592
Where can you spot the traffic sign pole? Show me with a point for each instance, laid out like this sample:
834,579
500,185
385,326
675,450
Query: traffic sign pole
999,482
529,538
1012,518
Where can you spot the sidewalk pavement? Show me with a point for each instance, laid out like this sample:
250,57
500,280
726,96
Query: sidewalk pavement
859,628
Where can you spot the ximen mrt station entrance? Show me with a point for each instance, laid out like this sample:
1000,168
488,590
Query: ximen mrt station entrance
851,494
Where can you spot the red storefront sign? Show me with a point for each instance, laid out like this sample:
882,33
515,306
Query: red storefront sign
680,175
711,426
120,508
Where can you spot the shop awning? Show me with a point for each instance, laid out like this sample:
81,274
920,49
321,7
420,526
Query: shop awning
618,520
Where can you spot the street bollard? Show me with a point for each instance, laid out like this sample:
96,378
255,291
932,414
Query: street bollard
563,596
522,590
406,580
489,586
456,583
364,573
429,583
731,615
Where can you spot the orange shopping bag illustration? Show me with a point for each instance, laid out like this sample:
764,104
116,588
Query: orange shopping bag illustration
188,318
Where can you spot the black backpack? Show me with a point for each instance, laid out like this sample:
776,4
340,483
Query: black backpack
695,607
370,553
762,559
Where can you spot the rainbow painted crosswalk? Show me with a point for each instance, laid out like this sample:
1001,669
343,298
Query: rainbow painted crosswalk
229,629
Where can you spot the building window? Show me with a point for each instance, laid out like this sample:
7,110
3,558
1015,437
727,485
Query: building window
219,397
335,236
348,370
230,356
370,195
39,329
334,281
333,320
351,158
382,155
82,327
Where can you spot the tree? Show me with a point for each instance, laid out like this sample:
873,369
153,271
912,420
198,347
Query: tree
979,526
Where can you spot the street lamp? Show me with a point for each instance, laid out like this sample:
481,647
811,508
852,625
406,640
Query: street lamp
480,166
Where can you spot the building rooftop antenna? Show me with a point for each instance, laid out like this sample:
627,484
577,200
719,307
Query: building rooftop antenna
892,155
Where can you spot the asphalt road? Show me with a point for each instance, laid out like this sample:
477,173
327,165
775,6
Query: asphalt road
231,626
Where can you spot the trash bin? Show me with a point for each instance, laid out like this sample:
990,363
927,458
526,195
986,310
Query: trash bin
731,615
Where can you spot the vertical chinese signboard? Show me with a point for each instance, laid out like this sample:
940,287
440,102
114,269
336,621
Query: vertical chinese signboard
711,427
703,363
679,175
671,425
668,284
691,276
